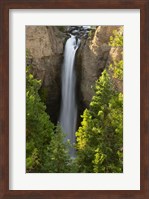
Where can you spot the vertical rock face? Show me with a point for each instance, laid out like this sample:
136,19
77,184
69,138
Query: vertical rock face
115,56
93,56
45,45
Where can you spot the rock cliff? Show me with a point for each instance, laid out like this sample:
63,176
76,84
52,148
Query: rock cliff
93,56
45,45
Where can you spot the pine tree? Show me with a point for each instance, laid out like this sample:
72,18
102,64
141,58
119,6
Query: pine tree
58,160
99,139
39,129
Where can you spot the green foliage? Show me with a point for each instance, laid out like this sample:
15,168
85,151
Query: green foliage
117,69
58,153
99,139
27,53
117,38
39,129
46,150
43,92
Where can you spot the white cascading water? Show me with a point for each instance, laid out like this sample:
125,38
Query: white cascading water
68,112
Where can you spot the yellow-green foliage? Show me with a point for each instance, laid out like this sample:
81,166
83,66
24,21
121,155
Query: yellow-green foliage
27,53
117,69
99,139
117,38
82,135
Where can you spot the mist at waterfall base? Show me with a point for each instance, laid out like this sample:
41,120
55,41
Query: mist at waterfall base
68,111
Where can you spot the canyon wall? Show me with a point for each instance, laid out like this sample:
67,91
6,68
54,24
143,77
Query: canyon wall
45,46
93,57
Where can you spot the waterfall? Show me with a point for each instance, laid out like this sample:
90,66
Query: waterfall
68,111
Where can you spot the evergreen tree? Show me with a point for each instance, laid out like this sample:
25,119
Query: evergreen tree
99,139
46,150
58,160
39,129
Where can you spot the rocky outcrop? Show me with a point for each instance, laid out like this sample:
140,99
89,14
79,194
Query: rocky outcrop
115,56
45,45
93,56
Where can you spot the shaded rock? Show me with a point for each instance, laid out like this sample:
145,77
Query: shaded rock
115,55
46,45
93,55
